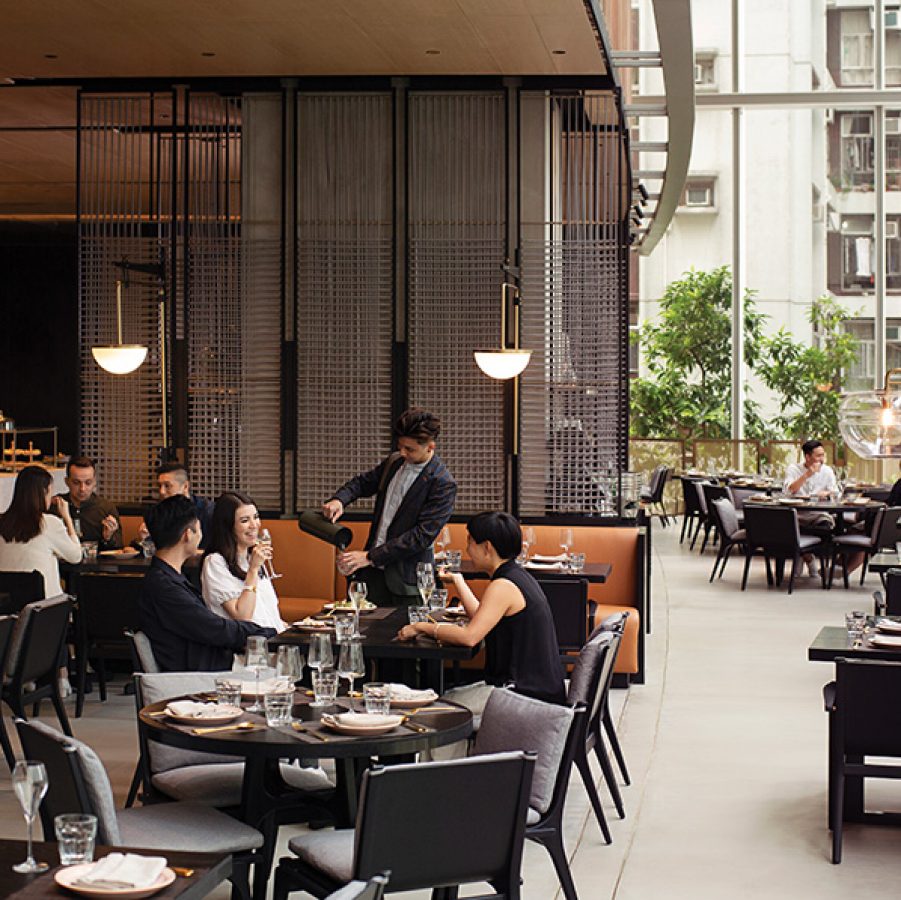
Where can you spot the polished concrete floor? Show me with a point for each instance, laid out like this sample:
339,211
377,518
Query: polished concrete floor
727,748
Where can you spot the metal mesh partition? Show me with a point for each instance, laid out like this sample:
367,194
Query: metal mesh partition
574,315
344,289
457,230
121,416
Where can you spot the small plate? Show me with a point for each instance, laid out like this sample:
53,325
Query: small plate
124,553
68,875
229,714
887,626
792,501
361,730
886,641
344,606
310,624
424,699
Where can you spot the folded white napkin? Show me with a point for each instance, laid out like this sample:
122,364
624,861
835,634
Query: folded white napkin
366,719
403,692
545,566
544,557
267,686
888,625
121,871
194,709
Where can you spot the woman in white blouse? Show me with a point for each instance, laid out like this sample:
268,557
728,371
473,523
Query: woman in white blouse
32,539
233,582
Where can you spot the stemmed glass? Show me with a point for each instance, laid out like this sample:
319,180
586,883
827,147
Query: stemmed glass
256,660
320,655
30,785
425,581
357,592
566,540
289,662
266,540
443,540
351,666
528,541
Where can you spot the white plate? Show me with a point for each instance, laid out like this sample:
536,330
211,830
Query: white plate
545,566
887,626
888,642
791,501
124,553
546,558
389,723
313,625
229,714
66,876
365,607
413,699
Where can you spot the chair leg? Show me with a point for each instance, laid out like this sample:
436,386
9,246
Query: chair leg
744,577
706,538
837,786
240,880
726,558
794,571
685,518
716,562
600,751
864,568
281,887
7,747
694,538
101,678
665,517
585,771
845,557
134,787
553,843
612,736
57,702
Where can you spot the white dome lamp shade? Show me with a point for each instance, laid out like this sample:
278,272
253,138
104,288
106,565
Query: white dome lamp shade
119,358
505,363
870,421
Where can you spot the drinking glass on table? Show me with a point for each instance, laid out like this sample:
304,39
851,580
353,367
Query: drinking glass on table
528,541
425,581
566,540
351,666
278,701
266,540
320,655
442,542
325,686
228,692
30,784
377,697
357,592
289,662
344,629
438,600
856,623
256,660
75,835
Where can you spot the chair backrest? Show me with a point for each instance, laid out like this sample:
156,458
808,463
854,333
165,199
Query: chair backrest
568,600
713,492
77,779
590,670
395,830
725,516
690,495
22,587
514,722
867,713
7,626
658,485
142,658
893,592
37,640
374,889
887,531
108,604
773,528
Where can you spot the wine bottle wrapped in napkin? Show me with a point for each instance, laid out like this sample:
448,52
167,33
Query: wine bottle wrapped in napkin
122,871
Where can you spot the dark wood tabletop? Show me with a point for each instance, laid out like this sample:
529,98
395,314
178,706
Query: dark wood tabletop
884,560
595,573
210,869
832,642
817,505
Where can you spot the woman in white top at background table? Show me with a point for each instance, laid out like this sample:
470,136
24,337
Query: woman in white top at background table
32,539
233,581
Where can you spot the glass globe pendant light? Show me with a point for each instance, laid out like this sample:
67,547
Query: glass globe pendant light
870,421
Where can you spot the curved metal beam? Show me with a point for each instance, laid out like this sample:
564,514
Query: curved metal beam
673,19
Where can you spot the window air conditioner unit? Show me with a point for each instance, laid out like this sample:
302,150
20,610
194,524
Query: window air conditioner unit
892,125
892,20
892,332
891,230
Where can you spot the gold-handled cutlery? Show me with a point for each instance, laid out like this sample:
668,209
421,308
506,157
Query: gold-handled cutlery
241,726
304,730
182,872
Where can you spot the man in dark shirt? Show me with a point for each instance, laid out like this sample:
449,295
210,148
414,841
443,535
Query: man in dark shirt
94,517
184,634
173,480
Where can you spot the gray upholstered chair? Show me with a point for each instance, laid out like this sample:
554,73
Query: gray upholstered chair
615,623
731,534
514,722
210,778
374,889
143,657
78,782
406,815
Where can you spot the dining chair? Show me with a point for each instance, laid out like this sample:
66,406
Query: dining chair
568,600
773,532
731,534
882,534
653,493
617,624
864,721
711,492
78,783
142,658
374,889
7,624
691,507
22,587
33,661
105,607
514,722
406,816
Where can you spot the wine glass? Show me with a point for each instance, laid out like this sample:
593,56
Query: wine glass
443,540
30,785
425,581
266,540
566,540
357,591
528,541
256,660
351,666
320,655
289,662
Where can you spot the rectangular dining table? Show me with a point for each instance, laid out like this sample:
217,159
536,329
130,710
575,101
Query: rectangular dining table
209,870
594,573
832,642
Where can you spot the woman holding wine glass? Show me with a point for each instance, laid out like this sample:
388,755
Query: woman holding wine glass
234,580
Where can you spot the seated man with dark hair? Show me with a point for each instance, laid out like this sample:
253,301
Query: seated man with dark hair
173,480
185,635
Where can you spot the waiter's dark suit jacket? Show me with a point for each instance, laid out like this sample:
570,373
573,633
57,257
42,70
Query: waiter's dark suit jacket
424,511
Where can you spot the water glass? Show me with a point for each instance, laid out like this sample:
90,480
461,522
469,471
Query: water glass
228,692
438,600
418,614
454,559
278,706
89,550
75,834
289,662
576,562
855,622
377,696
325,687
148,548
344,629
320,654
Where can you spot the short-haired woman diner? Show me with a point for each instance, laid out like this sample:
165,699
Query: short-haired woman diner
513,617
232,581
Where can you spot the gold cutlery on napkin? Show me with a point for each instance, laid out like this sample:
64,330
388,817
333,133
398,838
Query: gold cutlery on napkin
241,726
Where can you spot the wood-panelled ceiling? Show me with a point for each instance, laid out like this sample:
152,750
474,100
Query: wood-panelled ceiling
61,39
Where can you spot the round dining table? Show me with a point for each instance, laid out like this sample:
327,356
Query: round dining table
264,800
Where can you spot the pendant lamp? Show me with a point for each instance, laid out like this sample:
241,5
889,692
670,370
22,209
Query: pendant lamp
119,358
505,362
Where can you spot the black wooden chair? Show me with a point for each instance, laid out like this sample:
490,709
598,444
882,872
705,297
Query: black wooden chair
406,816
709,493
617,624
7,624
653,494
32,665
864,721
882,535
374,889
78,782
692,515
729,531
514,722
568,600
22,588
773,532
107,606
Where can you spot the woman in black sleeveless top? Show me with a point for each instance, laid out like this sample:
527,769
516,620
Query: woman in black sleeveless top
513,617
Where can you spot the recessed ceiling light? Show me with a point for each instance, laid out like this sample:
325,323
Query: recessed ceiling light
50,56
559,52
207,53
433,52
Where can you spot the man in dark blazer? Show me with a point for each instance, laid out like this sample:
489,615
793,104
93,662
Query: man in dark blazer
415,496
